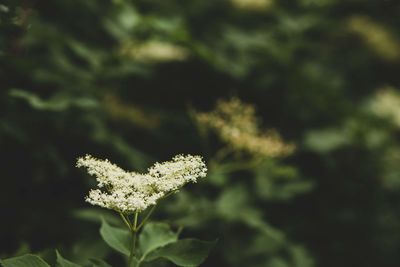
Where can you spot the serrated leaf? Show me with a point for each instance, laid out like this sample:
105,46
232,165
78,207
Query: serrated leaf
115,237
61,262
184,252
99,263
155,235
27,260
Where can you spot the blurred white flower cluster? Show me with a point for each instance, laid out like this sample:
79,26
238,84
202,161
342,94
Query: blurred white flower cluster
129,192
237,125
253,5
386,103
154,51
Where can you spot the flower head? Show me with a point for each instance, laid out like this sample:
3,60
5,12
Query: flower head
128,192
171,175
236,123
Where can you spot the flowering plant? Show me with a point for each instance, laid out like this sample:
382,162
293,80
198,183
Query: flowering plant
131,194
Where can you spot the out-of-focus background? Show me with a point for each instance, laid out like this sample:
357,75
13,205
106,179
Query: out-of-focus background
293,104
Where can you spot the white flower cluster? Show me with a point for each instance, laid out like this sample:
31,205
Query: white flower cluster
128,192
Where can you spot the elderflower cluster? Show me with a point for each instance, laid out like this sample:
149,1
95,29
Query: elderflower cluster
237,125
128,192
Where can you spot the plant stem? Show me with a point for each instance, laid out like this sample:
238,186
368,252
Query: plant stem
125,221
134,231
147,217
151,211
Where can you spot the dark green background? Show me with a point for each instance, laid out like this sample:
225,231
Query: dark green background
308,73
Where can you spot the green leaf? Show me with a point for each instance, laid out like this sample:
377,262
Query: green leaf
27,260
184,252
22,250
300,256
134,263
99,263
237,198
96,215
57,103
326,140
61,262
115,237
155,235
218,176
88,248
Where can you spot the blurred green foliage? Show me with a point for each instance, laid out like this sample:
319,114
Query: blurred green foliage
119,79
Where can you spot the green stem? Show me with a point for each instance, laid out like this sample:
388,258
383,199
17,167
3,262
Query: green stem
147,217
125,221
131,254
134,234
135,230
170,193
151,211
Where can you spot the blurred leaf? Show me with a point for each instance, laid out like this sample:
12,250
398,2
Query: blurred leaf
59,103
89,247
61,262
96,215
90,55
99,263
326,140
185,252
125,19
116,238
134,262
23,249
217,176
278,262
231,201
129,112
234,205
300,257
